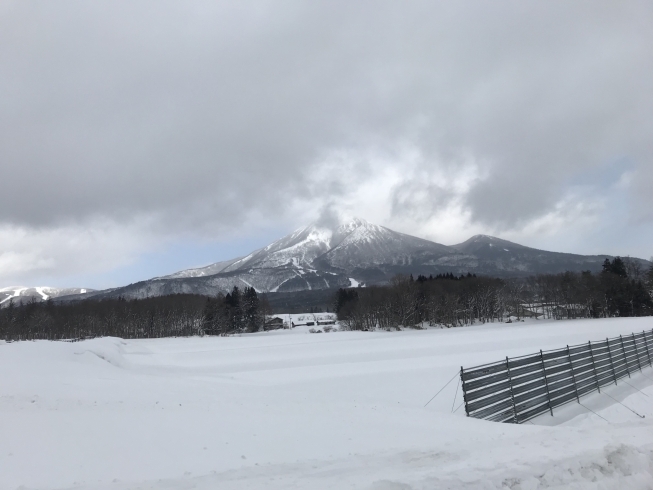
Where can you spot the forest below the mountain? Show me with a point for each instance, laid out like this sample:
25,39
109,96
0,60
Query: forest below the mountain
623,288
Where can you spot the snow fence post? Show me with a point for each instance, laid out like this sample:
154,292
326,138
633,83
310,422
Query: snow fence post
462,384
596,378
512,397
624,353
614,376
636,352
546,383
571,370
648,354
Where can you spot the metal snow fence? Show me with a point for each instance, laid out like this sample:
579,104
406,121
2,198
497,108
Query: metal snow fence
520,388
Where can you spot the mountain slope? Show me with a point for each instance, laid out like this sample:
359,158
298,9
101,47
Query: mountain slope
324,257
208,270
298,249
369,245
503,256
21,294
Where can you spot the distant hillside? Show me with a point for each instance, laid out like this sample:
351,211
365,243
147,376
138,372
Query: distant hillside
22,294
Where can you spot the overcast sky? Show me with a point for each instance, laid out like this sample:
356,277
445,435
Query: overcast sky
140,138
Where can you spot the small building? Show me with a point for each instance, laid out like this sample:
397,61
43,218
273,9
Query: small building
273,323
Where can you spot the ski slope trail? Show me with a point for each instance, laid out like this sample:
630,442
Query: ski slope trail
290,409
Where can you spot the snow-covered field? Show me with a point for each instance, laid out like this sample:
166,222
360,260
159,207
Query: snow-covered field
290,409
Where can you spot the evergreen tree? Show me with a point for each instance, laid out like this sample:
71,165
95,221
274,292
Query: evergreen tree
234,311
344,297
616,267
250,310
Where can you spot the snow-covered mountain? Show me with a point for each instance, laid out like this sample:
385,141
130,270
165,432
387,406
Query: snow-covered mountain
22,294
350,252
502,256
369,245
208,270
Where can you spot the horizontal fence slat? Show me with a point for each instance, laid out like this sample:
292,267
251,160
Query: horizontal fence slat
561,391
580,349
539,381
485,371
478,383
621,374
515,373
560,384
585,375
493,409
580,357
531,403
490,400
601,357
583,369
587,361
605,365
529,395
526,379
586,382
505,416
587,389
551,364
554,354
530,359
562,373
606,379
480,393
563,399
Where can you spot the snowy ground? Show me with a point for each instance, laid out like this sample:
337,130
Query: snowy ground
290,409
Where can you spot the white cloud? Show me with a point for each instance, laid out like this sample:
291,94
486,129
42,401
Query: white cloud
30,255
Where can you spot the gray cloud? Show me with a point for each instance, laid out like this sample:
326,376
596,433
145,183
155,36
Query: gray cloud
203,113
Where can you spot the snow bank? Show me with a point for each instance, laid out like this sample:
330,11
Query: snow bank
287,409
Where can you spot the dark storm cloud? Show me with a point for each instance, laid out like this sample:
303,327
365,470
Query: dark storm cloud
202,112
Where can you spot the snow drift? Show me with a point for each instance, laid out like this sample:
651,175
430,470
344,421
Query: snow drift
290,409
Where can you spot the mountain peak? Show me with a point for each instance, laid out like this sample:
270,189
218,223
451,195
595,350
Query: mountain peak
337,223
478,238
480,242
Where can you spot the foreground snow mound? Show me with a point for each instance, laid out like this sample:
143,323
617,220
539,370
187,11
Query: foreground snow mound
287,409
621,467
108,349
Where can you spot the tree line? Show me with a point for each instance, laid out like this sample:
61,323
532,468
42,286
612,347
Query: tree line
177,315
622,288
235,312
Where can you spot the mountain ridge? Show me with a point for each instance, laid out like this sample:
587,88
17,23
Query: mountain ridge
346,253
343,254
21,294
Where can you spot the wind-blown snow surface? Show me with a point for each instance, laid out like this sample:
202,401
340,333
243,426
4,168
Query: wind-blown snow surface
296,410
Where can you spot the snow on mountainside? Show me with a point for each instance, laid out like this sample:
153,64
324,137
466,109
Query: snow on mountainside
369,245
208,270
20,294
298,249
351,252
502,255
